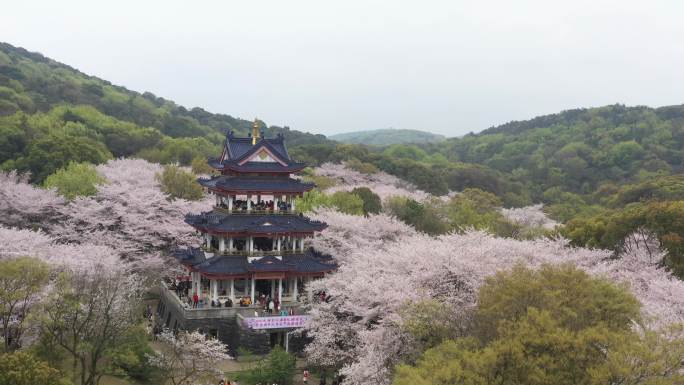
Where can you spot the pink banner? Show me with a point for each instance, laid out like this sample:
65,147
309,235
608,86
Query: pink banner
279,322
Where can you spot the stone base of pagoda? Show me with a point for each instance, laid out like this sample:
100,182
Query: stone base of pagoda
230,324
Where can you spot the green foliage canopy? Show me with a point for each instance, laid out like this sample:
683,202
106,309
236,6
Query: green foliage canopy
278,367
76,179
371,201
552,326
178,183
23,368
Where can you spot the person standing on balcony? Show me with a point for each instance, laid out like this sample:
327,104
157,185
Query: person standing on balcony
195,300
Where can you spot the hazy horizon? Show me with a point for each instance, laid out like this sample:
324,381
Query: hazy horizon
443,67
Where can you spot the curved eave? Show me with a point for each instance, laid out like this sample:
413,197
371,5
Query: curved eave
282,225
248,233
234,190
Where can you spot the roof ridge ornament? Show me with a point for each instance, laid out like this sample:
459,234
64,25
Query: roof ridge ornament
255,131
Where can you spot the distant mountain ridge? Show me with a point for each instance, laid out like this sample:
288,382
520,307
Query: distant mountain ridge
31,82
387,136
52,114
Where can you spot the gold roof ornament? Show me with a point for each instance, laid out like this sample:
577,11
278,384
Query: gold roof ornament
255,131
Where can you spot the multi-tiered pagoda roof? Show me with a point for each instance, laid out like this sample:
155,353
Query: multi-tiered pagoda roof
254,167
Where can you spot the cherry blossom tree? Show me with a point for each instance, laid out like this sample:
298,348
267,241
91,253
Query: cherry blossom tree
383,184
190,357
385,266
129,215
22,204
130,212
529,216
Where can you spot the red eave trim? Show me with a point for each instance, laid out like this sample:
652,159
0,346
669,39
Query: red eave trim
262,192
242,170
226,276
247,234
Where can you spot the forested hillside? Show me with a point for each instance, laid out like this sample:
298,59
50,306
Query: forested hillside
605,172
386,137
51,113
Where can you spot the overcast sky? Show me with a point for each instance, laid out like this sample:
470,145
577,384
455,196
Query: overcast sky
449,67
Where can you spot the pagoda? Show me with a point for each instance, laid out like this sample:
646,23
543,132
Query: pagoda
252,270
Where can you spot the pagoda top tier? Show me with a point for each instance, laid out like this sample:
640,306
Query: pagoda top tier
255,154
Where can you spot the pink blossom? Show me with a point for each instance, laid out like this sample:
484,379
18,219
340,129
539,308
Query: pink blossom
529,216
383,184
385,265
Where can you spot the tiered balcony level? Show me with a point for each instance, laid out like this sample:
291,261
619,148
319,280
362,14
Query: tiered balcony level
253,241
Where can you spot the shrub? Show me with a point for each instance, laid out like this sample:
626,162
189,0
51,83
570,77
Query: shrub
178,183
76,179
371,201
199,166
278,367
23,368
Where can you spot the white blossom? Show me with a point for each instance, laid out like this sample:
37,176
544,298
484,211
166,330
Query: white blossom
383,184
529,216
385,265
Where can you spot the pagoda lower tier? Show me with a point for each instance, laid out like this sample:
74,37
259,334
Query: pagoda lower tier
213,276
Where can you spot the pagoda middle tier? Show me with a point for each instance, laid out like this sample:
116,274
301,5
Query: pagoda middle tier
259,225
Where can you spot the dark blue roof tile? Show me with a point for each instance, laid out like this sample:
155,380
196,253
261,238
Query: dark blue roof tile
223,222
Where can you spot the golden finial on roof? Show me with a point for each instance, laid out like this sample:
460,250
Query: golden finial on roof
255,131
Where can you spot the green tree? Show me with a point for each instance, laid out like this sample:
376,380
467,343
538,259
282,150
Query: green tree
347,203
371,201
575,300
362,167
321,182
23,368
342,201
613,229
278,367
21,281
552,326
50,153
76,179
200,166
130,357
424,217
178,183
